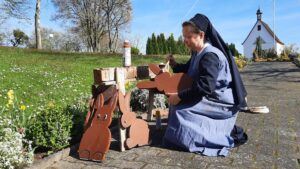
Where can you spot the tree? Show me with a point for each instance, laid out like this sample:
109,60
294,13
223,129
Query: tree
233,50
155,50
136,41
117,14
95,20
258,48
135,51
182,49
1,39
19,10
60,41
14,8
86,17
19,38
163,44
38,24
149,49
166,46
159,44
172,44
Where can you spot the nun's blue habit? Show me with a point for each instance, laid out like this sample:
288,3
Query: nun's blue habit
203,121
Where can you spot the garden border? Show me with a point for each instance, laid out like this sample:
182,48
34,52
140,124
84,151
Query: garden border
48,161
57,156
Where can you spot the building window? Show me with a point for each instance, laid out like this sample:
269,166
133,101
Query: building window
259,27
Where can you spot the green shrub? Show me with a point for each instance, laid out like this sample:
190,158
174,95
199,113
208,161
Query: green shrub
269,53
297,61
135,51
240,62
78,111
51,128
139,100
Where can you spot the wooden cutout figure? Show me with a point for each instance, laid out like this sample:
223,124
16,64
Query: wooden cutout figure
165,82
96,139
138,134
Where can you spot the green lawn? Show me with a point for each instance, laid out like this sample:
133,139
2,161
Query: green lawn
42,77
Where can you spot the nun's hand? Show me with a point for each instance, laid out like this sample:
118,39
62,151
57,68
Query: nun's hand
171,60
173,98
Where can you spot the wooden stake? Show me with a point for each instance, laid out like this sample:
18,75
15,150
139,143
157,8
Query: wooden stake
150,105
120,79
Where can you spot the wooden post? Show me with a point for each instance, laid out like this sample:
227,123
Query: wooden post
117,76
150,105
120,79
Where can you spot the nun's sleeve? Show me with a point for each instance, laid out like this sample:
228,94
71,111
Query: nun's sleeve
182,67
206,84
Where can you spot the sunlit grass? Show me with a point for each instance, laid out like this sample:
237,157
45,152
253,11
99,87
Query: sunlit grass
40,77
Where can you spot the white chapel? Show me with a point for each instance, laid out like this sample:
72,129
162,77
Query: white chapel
263,31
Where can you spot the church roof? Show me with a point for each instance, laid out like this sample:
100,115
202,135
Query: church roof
269,31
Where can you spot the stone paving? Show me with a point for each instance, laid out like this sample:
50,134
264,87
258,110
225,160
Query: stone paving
274,138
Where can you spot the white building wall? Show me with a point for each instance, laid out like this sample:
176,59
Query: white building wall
279,48
268,41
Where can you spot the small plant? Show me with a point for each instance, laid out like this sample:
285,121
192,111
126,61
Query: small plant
15,150
297,61
20,38
51,128
269,54
135,51
16,111
240,62
139,100
78,111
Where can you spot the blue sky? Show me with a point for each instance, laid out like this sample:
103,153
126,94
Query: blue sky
232,18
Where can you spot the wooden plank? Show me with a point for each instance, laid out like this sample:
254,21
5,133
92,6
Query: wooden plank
150,105
107,74
142,72
106,90
131,72
97,76
120,78
109,83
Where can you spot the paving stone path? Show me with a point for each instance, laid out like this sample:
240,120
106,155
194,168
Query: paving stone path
274,139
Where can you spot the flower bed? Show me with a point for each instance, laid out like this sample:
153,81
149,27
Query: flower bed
48,131
240,62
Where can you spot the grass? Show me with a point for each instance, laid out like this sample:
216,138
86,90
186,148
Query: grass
39,78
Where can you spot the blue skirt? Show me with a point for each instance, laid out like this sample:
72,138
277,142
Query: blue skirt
202,127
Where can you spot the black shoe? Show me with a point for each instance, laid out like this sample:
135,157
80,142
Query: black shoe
239,136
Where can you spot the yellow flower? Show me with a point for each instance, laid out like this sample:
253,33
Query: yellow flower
50,104
10,94
127,85
10,102
22,107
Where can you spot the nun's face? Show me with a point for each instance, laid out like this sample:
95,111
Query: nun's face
194,41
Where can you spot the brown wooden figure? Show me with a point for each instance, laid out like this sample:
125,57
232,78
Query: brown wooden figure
96,139
138,134
165,82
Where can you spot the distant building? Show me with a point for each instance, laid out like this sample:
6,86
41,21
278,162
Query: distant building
263,31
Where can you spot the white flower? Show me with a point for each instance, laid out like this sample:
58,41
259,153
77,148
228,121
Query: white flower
14,154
